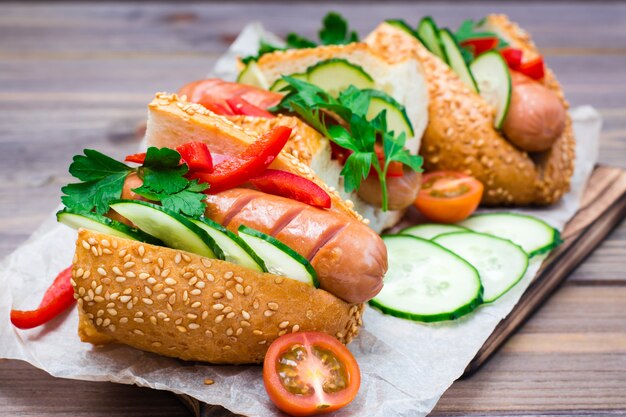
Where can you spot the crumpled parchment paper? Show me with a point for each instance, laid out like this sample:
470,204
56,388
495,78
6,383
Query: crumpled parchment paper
406,366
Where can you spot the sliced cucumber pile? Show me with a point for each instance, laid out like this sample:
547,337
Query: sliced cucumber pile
430,36
175,230
426,282
429,231
102,224
494,83
252,75
279,258
234,248
455,59
500,262
533,235
397,119
336,74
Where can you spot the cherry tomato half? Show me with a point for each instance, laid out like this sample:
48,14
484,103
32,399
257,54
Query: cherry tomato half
448,197
310,373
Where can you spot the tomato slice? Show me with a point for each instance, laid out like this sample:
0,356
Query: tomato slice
448,197
310,373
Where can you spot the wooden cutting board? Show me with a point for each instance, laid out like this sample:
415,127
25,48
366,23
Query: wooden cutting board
603,207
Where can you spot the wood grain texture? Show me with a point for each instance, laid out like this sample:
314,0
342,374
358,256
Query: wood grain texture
78,75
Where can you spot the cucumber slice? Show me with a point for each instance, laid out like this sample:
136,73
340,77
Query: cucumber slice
426,282
429,231
102,224
397,119
252,75
279,84
492,75
336,74
234,248
431,38
175,230
402,25
533,235
455,59
279,258
500,262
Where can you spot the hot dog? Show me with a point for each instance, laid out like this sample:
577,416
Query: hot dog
327,239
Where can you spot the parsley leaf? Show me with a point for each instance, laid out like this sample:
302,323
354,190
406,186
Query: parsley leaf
103,179
335,31
264,48
295,41
186,201
162,171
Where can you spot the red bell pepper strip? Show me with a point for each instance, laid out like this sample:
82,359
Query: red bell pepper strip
137,158
242,107
512,56
480,45
58,298
286,184
534,69
196,155
251,162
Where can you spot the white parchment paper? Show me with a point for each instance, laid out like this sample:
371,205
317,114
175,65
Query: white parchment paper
405,366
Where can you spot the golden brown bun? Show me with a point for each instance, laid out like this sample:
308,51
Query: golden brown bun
172,122
460,135
183,305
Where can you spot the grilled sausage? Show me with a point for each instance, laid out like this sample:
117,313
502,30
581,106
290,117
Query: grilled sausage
536,116
350,259
401,191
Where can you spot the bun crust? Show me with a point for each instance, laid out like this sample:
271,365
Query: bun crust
460,135
182,305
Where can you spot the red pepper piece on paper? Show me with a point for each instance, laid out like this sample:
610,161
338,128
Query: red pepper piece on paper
58,298
251,162
286,184
196,155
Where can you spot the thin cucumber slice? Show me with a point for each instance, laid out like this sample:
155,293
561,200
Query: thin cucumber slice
430,36
397,119
402,25
279,84
279,258
234,248
336,74
492,75
252,75
500,263
102,224
426,282
533,235
429,231
175,230
455,58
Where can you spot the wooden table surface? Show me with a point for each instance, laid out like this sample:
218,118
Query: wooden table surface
76,75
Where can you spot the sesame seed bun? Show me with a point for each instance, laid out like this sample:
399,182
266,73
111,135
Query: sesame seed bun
460,135
183,305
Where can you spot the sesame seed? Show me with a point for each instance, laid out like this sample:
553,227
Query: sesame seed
94,250
219,318
165,273
278,280
128,291
147,301
85,245
98,299
228,275
158,287
90,293
102,271
217,295
227,347
179,320
98,289
192,316
79,302
138,332
161,297
295,328
245,314
160,262
200,273
205,314
186,257
72,282
229,294
112,311
157,344
244,323
218,306
257,332
106,322
105,243
157,270
283,324
147,290
98,321
171,281
210,277
268,313
188,275
282,332
106,280
79,272
128,265
205,262
195,292
99,313
138,320
144,275
185,295
239,288
255,304
272,306
130,274
177,258
247,290
169,290
146,260
239,279
129,305
208,333
86,274
153,320
193,280
193,326
230,315
81,291
141,250
229,331
228,309
172,299
262,342
124,320
112,327
196,304
125,298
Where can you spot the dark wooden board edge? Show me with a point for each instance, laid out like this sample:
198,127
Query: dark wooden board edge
579,243
603,207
